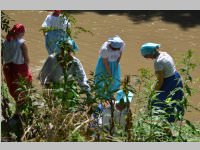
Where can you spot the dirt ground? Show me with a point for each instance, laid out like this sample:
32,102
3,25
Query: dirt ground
176,32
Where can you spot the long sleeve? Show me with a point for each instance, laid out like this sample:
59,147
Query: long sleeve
77,70
51,71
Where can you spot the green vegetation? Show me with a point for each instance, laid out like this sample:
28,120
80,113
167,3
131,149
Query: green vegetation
62,112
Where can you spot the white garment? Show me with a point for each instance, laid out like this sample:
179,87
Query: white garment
119,117
12,51
111,55
53,72
56,22
165,62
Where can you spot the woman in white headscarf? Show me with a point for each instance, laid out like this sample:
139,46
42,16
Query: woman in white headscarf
108,66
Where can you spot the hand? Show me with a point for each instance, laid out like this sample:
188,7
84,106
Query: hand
26,62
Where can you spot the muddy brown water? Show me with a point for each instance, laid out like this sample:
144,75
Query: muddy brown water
173,38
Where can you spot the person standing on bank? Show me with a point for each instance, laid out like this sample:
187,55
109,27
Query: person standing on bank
54,28
16,61
108,66
168,79
16,69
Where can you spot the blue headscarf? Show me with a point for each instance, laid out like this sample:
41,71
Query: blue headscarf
149,48
121,95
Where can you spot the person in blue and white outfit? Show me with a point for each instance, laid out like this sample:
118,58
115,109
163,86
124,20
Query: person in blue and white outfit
168,80
108,66
54,27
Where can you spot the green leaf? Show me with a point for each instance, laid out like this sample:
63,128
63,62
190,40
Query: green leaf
188,89
190,124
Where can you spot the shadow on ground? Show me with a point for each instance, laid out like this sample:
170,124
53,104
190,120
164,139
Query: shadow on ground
185,19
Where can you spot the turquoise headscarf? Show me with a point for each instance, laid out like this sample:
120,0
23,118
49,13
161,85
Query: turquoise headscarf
63,41
149,48
121,95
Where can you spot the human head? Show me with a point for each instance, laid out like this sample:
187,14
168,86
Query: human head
121,99
56,13
115,42
17,31
149,50
67,44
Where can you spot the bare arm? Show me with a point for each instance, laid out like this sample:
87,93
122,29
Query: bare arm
45,25
118,60
25,53
43,31
160,78
105,62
